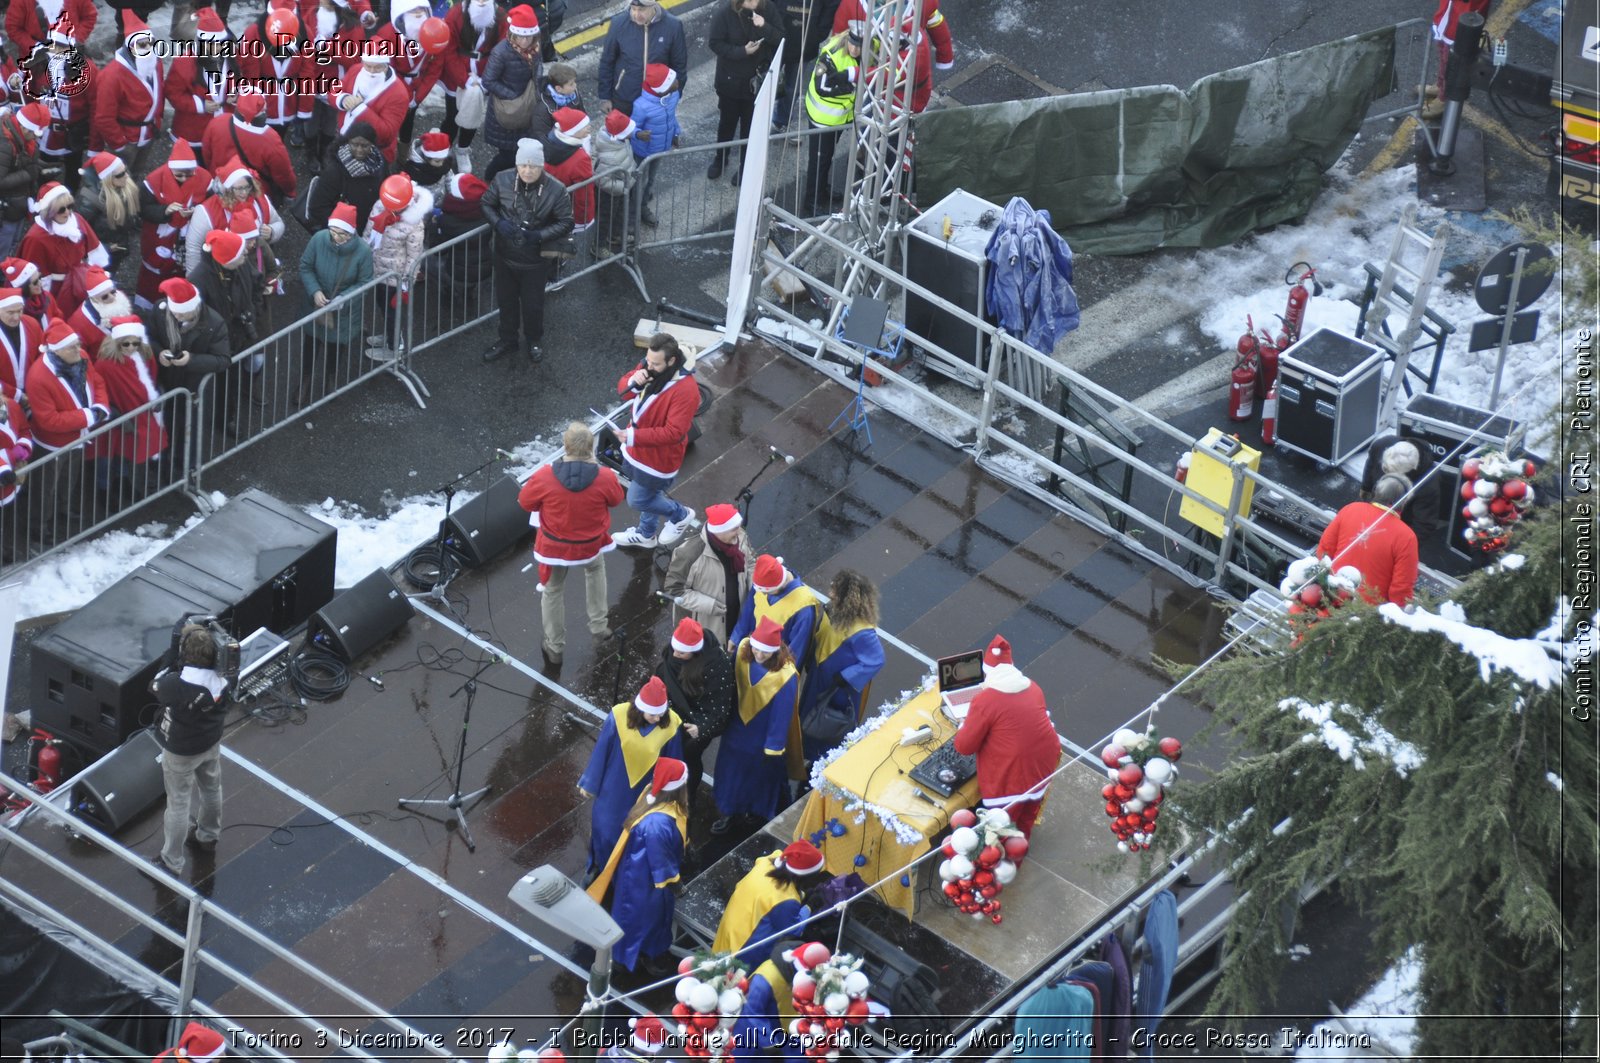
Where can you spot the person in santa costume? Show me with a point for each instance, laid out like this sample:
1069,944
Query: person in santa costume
334,40
10,79
63,245
27,24
37,302
699,679
205,83
191,344
633,737
768,901
467,265
92,320
109,200
566,158
361,14
245,137
570,501
647,1042
197,1044
21,340
128,367
476,26
752,776
63,79
16,447
245,224
230,285
373,93
1372,537
129,97
274,60
237,190
845,656
1009,730
665,398
934,23
172,191
67,398
779,595
416,68
429,162
635,883
21,169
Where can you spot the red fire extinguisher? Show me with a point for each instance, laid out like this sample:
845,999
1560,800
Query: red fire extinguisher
1267,351
48,775
1294,315
1269,416
1242,389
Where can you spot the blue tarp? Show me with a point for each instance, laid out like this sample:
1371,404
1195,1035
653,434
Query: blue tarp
1030,278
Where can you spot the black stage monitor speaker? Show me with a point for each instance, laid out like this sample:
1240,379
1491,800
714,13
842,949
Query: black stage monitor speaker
488,525
270,562
119,787
92,671
361,617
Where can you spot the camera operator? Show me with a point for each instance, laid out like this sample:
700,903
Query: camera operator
193,696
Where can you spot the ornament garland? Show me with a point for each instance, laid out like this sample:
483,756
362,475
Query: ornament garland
710,996
981,857
1140,767
1314,587
830,994
1495,492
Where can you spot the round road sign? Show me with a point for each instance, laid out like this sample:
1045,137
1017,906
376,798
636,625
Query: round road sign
1493,285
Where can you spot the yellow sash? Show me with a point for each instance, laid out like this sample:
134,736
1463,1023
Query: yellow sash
755,895
781,610
602,882
754,697
640,751
829,638
778,979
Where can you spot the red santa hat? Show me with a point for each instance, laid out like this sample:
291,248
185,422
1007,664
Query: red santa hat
376,50
767,637
769,575
60,336
104,164
226,247
522,22
182,297
649,1034
398,9
669,775
688,636
209,25
11,297
235,173
343,217
244,224
51,190
435,144
197,1044
129,327
249,107
182,157
659,78
801,858
468,187
652,697
19,272
97,281
998,653
133,26
35,118
572,125
620,126
722,517
999,673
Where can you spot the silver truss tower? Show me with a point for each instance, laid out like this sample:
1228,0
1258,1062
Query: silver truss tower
879,169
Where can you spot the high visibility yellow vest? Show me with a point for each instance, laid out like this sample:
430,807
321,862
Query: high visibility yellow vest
832,110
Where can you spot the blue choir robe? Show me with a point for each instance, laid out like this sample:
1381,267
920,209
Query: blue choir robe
752,777
639,871
764,1022
619,770
843,663
795,608
759,907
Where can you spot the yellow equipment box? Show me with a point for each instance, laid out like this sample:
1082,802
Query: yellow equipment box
1212,479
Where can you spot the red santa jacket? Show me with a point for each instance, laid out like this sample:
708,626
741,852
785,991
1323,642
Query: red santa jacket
571,502
262,150
933,22
188,89
419,70
659,435
9,70
1008,729
58,418
468,54
280,78
57,256
1386,555
575,169
15,359
131,383
1448,16
385,111
90,327
308,13
16,444
25,27
331,57
158,240
42,308
69,106
127,109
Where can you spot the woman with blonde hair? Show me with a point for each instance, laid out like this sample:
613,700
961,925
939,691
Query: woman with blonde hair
129,457
845,656
109,200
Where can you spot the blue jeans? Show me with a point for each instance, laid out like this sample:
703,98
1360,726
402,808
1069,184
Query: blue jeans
648,494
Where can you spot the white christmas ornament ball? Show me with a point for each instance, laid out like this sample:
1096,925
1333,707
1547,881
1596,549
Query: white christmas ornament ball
1111,773
961,867
1352,574
1135,805
684,988
1485,488
1004,872
798,1028
1122,847
964,838
1138,836
1477,507
731,1002
856,983
836,1004
1126,737
1147,791
703,999
1527,499
945,874
1158,770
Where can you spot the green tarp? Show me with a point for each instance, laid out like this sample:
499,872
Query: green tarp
1123,171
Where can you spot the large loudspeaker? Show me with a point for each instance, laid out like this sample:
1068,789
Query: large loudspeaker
92,671
488,525
361,617
118,788
272,563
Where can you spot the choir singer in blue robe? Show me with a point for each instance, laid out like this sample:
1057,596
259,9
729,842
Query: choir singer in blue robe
636,883
845,656
632,738
752,777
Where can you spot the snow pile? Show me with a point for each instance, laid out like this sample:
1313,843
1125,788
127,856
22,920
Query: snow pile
1378,742
1525,658
71,579
1387,1014
1555,780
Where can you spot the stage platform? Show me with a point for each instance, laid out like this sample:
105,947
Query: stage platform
397,908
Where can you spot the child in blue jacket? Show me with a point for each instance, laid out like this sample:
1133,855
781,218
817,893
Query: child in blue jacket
656,114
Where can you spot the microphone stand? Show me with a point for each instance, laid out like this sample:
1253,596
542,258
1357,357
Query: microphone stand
447,571
457,803
747,493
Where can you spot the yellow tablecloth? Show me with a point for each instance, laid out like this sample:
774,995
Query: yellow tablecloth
876,770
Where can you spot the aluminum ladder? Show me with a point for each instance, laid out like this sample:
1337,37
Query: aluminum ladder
1409,241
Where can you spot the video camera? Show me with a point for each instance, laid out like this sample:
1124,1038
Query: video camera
225,645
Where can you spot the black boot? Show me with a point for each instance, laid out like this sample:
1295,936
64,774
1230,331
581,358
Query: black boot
714,171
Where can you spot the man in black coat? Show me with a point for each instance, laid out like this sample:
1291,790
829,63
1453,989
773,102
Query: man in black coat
527,209
193,697
645,31
744,37
191,343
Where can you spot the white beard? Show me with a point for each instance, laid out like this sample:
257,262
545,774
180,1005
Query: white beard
118,306
411,23
52,10
67,230
146,65
327,23
480,15
369,85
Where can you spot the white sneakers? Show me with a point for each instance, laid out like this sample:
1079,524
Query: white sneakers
634,537
463,160
673,530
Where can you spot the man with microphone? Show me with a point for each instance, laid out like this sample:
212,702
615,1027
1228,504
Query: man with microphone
665,401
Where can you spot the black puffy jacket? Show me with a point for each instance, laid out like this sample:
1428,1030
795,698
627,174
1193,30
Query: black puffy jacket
538,212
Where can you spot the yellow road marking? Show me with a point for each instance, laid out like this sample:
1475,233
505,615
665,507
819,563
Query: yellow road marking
1500,19
569,44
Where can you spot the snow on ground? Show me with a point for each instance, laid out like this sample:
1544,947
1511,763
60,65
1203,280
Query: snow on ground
1387,1013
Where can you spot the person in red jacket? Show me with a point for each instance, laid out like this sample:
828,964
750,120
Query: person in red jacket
476,26
372,92
37,302
24,27
416,68
128,367
63,245
129,97
66,399
571,502
933,22
1008,728
21,340
92,320
172,192
205,83
63,78
566,158
16,447
334,39
246,136
1372,537
280,70
665,399
1445,20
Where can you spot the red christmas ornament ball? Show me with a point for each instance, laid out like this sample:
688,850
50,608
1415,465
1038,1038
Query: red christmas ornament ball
1130,775
1112,755
1470,469
963,817
1171,748
1016,847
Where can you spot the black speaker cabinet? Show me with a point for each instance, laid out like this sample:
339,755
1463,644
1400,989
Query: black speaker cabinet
270,562
361,617
117,789
488,525
92,671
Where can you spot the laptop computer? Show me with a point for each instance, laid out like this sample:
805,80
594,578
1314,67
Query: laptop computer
960,679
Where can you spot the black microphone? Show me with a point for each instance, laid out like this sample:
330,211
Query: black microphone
788,459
